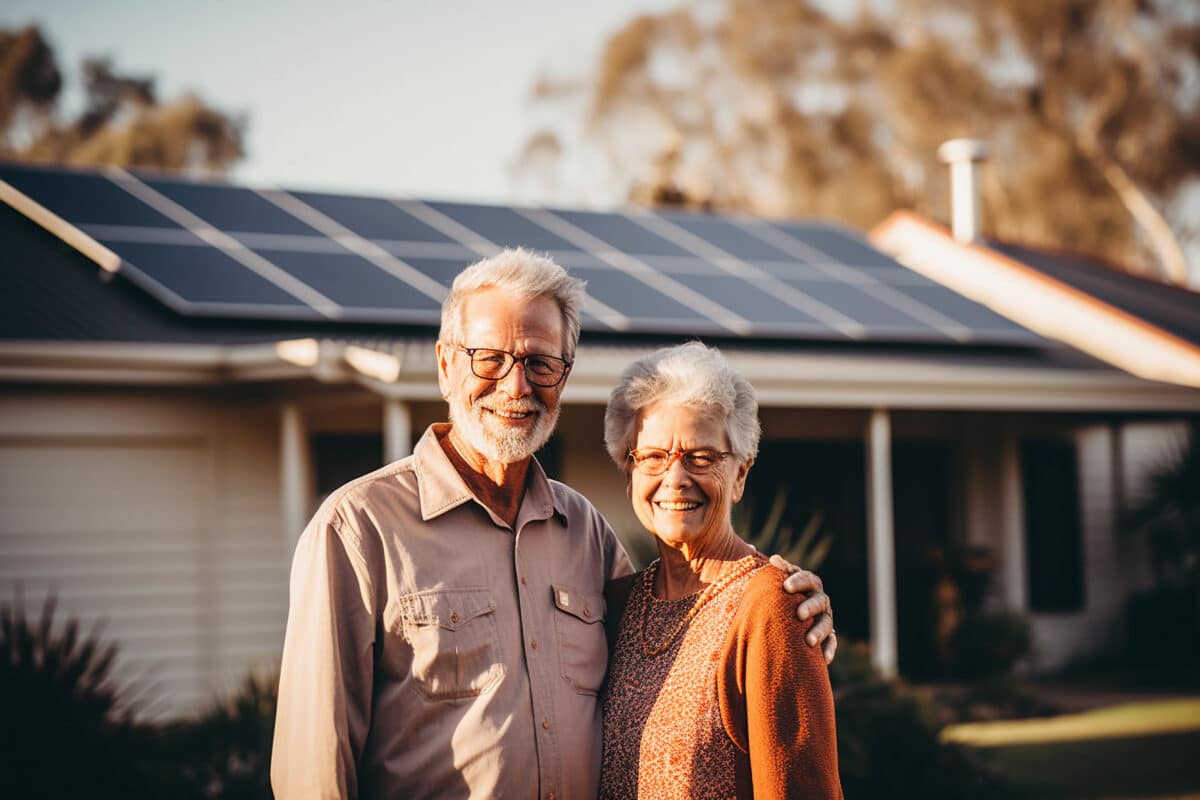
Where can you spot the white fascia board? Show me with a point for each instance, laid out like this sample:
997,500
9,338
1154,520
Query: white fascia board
804,380
108,363
1039,302
797,379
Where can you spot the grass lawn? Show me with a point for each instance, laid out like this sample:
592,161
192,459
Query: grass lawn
1136,750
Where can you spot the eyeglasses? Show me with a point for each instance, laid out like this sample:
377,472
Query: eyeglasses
494,365
656,461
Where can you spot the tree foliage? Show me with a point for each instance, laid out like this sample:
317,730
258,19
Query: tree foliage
123,122
1091,111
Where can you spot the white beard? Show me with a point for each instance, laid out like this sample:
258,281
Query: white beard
492,439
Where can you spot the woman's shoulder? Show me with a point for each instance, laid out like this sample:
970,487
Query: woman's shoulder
765,585
766,606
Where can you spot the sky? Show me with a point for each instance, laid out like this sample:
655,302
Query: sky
425,99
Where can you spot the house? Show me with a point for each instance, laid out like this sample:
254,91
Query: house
1141,326
186,368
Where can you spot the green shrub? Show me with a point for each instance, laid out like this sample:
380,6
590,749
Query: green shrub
888,740
64,729
989,644
226,752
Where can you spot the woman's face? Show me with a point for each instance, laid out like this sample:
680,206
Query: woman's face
680,507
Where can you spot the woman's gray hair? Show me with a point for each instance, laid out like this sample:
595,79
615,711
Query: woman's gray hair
528,276
690,375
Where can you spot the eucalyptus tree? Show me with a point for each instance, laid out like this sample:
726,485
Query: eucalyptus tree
1091,110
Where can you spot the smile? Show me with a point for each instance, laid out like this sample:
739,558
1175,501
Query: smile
677,505
510,414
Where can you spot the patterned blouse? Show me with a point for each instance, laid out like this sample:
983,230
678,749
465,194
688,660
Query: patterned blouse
715,695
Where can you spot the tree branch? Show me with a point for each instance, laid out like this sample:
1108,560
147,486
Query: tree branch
1151,220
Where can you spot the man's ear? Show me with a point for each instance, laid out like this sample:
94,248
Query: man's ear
739,481
444,353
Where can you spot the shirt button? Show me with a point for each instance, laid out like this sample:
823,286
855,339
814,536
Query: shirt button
522,580
550,796
533,644
454,617
546,724
587,613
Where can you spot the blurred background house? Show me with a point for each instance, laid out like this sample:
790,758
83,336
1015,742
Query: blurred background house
981,423
189,367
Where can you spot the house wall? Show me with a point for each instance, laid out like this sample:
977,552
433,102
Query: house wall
1059,638
157,516
158,513
1114,462
1146,447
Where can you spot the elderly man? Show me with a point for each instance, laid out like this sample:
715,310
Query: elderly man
445,636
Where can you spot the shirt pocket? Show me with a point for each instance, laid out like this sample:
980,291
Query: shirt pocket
455,642
579,628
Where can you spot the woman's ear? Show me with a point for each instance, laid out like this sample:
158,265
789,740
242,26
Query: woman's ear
739,480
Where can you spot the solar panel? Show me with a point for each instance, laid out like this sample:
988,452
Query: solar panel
217,249
858,305
231,209
502,226
621,233
681,267
726,235
796,270
839,245
969,313
354,283
638,301
442,270
83,198
205,275
372,217
754,302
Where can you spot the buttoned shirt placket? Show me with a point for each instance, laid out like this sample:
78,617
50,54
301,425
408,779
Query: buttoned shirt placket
537,664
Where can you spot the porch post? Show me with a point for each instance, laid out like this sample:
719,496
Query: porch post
397,430
1012,522
295,477
881,556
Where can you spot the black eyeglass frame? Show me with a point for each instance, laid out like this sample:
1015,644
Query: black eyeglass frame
682,455
512,359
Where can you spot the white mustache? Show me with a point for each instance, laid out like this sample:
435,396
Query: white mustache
516,407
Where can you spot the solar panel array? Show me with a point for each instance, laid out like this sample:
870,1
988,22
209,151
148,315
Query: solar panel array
212,249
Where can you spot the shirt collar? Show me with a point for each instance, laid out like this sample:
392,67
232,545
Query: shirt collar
440,487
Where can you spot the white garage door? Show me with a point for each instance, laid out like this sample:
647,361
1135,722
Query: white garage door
115,529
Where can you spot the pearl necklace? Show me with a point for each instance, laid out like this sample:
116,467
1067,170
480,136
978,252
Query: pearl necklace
739,568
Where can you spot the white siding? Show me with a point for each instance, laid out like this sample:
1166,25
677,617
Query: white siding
157,516
1146,448
1061,637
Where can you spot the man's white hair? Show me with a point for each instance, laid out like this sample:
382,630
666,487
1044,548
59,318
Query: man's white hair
688,375
526,275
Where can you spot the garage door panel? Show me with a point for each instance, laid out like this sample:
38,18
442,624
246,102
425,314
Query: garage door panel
116,530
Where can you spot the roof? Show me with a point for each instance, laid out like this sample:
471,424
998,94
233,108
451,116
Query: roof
1174,309
1145,328
67,318
221,251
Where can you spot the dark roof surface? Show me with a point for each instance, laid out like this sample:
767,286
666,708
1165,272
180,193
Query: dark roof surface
52,293
217,250
1171,308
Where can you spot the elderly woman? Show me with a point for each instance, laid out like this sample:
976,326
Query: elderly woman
706,696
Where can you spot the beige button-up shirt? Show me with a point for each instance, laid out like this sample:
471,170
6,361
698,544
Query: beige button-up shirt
433,651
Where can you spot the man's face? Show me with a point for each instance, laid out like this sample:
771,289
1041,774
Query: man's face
509,419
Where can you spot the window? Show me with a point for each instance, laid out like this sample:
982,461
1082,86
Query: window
1053,541
339,458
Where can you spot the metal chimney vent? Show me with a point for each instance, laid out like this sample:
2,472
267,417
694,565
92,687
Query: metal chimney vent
962,155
